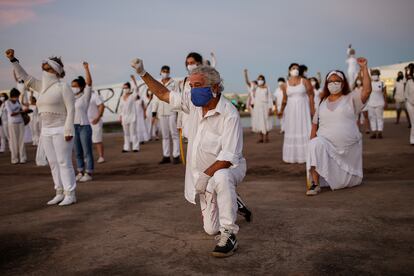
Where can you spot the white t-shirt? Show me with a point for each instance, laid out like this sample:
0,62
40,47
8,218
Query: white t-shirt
82,106
93,111
13,108
377,95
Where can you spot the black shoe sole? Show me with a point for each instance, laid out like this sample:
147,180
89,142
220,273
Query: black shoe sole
225,255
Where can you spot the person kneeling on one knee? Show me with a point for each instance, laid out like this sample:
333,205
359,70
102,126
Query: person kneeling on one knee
215,165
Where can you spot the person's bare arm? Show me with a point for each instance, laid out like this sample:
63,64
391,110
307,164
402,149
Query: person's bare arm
87,74
385,96
153,85
366,79
246,77
284,101
311,95
314,130
218,165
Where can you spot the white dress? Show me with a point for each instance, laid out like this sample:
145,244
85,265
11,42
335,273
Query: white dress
297,124
250,105
336,152
278,97
262,103
142,130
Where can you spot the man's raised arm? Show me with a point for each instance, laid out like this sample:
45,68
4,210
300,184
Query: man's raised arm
153,85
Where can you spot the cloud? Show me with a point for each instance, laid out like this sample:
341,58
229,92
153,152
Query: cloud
14,12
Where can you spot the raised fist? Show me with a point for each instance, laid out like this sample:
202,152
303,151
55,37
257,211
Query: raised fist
362,62
138,65
10,54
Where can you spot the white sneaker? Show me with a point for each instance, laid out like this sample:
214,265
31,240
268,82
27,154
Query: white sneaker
100,160
58,198
85,178
70,198
313,190
79,176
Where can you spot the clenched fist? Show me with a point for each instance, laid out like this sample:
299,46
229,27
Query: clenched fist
362,62
10,54
138,65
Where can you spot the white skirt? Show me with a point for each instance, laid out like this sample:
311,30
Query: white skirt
262,120
297,127
337,169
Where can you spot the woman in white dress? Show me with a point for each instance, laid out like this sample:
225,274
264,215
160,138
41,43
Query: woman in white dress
128,118
316,91
409,95
297,107
376,104
335,150
262,108
399,98
278,99
34,120
251,88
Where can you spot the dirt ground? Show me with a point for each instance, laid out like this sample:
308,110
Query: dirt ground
133,218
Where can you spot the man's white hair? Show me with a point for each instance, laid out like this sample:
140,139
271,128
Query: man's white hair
210,73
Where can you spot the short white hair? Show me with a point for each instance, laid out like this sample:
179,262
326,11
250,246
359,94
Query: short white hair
210,73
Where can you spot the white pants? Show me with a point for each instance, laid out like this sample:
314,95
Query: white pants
219,203
410,110
59,155
376,117
3,137
130,136
16,143
35,128
97,132
168,126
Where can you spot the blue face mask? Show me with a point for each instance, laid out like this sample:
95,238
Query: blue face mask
200,96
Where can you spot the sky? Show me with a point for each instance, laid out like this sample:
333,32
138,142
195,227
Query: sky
263,36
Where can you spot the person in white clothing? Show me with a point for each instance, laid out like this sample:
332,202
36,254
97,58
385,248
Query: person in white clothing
4,131
95,112
278,99
24,101
16,128
128,118
363,118
352,65
376,104
399,97
143,134
213,61
334,158
56,104
215,164
83,131
297,108
409,95
192,60
168,121
151,121
262,109
316,91
250,102
34,120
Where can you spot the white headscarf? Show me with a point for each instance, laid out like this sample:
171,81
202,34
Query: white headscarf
334,72
55,66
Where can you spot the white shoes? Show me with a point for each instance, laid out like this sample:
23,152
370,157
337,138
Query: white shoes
85,178
100,160
313,190
70,198
58,198
79,176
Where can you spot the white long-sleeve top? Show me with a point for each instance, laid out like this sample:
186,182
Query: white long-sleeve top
409,91
82,101
218,136
13,108
56,102
163,108
127,109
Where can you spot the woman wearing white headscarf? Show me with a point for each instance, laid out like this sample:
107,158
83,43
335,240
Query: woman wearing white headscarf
56,109
335,149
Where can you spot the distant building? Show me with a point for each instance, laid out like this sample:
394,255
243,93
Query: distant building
389,74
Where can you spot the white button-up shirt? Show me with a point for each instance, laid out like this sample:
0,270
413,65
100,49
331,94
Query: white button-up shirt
218,136
163,108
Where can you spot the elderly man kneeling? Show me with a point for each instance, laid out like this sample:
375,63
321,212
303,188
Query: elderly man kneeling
215,165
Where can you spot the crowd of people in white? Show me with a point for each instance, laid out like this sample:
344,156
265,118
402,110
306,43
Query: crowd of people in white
322,122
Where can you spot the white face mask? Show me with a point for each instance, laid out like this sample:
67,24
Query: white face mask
359,82
335,87
165,75
260,82
294,72
75,90
191,67
2,99
280,83
375,78
126,90
313,83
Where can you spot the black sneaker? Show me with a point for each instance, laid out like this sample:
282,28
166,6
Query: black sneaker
124,151
226,246
176,160
165,160
242,210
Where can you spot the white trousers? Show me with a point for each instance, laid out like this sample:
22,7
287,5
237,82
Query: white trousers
3,137
219,203
130,136
410,110
169,131
16,143
376,117
59,155
35,129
